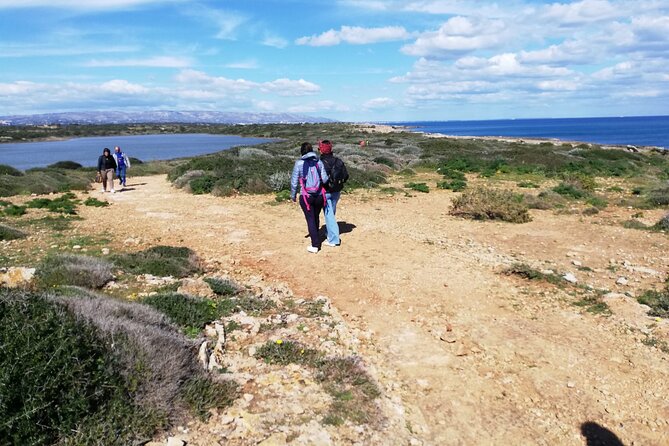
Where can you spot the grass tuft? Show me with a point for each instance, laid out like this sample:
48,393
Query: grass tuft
160,261
490,204
71,269
9,233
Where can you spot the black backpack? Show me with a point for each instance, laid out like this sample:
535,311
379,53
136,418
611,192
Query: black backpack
337,173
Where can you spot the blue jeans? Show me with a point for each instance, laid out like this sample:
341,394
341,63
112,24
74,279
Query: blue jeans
330,210
120,174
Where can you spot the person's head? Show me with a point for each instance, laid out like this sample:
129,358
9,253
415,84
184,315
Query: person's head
305,148
106,152
117,149
325,147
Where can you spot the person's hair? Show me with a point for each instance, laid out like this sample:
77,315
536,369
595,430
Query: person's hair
305,148
117,148
107,151
326,141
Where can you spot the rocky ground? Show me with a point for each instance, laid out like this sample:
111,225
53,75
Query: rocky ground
462,352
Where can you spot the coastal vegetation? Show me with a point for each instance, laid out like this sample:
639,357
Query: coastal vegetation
124,388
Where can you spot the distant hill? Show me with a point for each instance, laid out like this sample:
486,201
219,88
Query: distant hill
190,117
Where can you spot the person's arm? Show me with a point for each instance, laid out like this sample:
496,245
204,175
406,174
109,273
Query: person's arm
324,174
100,163
294,178
127,160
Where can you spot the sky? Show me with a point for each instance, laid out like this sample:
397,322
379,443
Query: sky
348,60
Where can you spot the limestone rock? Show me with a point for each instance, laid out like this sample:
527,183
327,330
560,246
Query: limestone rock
195,287
569,277
16,276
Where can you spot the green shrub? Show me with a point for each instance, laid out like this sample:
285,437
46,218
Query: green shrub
527,272
663,224
528,185
288,352
490,204
284,195
9,233
159,261
385,161
570,190
659,197
202,185
222,287
71,269
187,311
15,211
69,165
9,170
135,161
420,187
454,185
92,201
202,394
4,203
658,301
64,204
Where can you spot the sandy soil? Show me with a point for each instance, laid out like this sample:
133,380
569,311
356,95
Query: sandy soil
482,357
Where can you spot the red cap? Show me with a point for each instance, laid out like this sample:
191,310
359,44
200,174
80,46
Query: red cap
325,147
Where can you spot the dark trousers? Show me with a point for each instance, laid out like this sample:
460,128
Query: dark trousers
311,215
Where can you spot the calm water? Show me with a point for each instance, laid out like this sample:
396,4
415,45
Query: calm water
145,147
637,130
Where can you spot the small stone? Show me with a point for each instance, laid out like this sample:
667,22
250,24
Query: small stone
462,350
252,351
174,441
105,251
576,263
569,277
622,281
571,384
75,247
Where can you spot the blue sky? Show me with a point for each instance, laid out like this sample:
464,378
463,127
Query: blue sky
350,60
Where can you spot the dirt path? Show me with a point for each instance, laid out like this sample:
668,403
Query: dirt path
482,358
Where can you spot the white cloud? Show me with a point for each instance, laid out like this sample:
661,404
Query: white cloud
458,34
585,11
620,70
288,87
152,62
275,41
378,103
355,35
119,86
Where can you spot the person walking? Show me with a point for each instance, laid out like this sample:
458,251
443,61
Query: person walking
122,164
337,176
106,168
309,174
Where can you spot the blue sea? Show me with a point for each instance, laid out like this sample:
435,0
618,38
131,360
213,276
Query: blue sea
86,151
633,130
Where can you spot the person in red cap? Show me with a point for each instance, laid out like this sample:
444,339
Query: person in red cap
337,176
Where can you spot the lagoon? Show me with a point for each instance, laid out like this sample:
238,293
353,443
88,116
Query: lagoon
144,147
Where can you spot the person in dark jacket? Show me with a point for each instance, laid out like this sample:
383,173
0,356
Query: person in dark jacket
333,190
106,168
309,174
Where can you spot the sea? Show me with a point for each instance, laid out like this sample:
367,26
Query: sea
86,151
629,130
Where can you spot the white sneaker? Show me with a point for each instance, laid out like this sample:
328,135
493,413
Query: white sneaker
113,191
103,190
327,243
312,249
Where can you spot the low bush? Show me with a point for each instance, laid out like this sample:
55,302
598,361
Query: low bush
490,204
222,287
454,185
9,170
65,204
527,272
92,201
68,165
202,185
570,190
420,187
288,352
9,233
658,301
159,261
188,312
663,224
279,181
283,195
545,200
385,161
15,211
659,197
71,269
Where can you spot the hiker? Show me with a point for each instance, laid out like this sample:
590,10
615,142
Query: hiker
310,174
122,164
337,176
106,168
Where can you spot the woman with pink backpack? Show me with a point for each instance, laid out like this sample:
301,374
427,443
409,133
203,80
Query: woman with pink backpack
310,175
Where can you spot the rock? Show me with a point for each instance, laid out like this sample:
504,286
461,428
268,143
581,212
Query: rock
75,247
462,350
105,251
448,337
196,287
276,439
202,355
16,276
576,263
622,281
569,277
571,384
174,441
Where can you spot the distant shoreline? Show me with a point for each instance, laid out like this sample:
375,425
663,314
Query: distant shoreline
386,129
